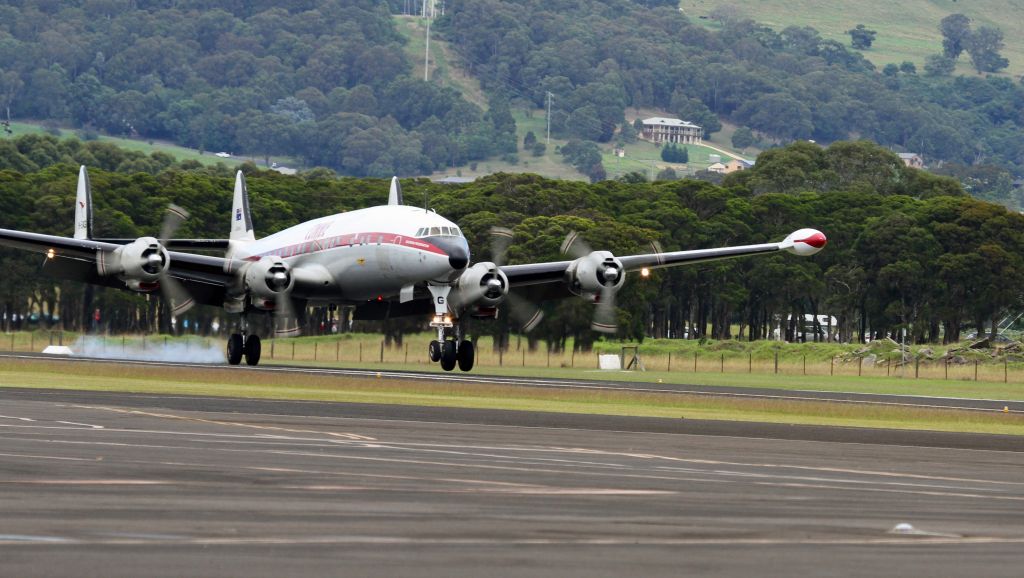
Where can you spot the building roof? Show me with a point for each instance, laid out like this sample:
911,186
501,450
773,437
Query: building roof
455,180
716,167
907,156
660,120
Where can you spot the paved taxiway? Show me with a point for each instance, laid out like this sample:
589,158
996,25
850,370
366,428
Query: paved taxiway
125,485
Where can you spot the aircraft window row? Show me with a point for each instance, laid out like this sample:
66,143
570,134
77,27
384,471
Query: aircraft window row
439,231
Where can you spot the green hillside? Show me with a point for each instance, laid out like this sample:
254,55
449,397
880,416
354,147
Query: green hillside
907,30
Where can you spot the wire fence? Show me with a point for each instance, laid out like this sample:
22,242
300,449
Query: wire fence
370,349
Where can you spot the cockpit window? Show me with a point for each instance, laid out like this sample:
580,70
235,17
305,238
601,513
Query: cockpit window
456,232
446,231
419,233
435,231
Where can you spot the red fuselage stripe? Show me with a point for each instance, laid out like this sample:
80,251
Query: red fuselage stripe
351,239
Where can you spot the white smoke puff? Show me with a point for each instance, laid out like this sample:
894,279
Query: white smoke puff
155,350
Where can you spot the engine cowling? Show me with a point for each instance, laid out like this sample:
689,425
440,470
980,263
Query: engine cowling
483,285
140,264
596,272
267,280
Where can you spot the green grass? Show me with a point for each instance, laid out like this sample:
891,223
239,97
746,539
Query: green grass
148,146
906,30
49,374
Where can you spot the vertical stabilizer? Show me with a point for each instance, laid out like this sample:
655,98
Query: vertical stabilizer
83,206
241,221
395,196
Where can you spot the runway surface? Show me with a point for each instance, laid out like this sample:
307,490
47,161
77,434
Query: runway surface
112,484
967,404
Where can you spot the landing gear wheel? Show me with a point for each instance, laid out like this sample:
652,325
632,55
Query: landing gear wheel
448,355
466,355
235,349
435,351
252,350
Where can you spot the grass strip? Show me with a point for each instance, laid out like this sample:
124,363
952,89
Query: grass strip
46,374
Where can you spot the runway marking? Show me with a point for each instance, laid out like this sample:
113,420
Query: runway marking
88,425
894,491
37,457
17,418
113,482
344,435
923,541
526,491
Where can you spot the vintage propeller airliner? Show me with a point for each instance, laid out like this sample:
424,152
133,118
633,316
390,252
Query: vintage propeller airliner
387,261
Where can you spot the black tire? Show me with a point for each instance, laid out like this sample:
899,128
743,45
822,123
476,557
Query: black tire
253,349
235,349
466,355
435,351
448,355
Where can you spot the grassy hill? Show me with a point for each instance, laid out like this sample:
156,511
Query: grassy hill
907,30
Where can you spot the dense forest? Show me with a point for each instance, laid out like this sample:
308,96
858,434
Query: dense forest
323,80
600,58
328,82
908,249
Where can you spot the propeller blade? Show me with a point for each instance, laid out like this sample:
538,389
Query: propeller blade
575,246
286,323
501,238
173,218
527,313
177,297
605,316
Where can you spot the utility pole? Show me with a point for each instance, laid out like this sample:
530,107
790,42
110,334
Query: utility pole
550,96
426,52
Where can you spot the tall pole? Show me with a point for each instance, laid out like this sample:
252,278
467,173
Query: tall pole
426,51
548,140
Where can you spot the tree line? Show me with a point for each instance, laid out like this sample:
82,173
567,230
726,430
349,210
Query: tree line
907,249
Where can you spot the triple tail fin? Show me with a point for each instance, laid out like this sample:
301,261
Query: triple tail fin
83,206
241,220
395,195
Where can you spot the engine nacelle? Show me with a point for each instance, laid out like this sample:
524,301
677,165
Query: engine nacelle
593,273
140,264
268,279
483,285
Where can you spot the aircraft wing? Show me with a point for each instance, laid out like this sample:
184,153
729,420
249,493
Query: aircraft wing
66,258
802,242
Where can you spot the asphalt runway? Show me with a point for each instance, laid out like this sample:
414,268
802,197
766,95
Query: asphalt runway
924,401
109,484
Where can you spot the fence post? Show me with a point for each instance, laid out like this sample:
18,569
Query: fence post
750,362
272,349
695,362
917,366
947,368
407,353
549,356
723,364
316,350
360,352
975,370
382,351
12,342
776,363
669,363
1006,370
832,366
123,340
337,351
888,363
860,366
805,364
293,350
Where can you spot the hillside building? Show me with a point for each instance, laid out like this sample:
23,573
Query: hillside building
912,160
671,130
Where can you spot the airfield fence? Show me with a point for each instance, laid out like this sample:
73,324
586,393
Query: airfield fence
370,350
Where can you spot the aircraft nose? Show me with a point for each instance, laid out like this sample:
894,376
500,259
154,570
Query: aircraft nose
458,255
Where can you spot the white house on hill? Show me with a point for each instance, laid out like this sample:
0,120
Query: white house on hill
672,130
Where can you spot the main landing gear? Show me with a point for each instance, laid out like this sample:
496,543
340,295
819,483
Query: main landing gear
244,345
452,352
